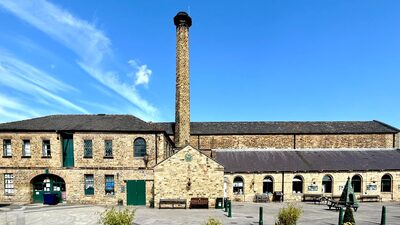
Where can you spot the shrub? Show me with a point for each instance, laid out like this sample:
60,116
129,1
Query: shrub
117,217
288,215
348,216
213,221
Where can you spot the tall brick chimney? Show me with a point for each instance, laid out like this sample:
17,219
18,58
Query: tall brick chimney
182,22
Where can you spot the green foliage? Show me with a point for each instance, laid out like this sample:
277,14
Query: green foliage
288,215
212,221
348,216
117,217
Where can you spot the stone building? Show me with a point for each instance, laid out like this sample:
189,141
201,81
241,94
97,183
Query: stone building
102,159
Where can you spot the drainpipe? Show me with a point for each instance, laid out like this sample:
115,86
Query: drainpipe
156,147
283,185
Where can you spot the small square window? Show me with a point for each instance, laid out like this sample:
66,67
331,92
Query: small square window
109,185
7,147
89,184
108,148
87,149
26,148
46,148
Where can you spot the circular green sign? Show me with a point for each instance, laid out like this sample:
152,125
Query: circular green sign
188,157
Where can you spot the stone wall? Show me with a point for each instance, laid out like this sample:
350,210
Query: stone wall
123,150
74,180
253,184
290,141
188,174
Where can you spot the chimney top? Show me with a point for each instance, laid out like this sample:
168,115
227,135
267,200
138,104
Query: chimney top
182,19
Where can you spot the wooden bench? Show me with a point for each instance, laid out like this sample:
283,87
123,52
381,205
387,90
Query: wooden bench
199,203
261,198
312,197
172,202
370,198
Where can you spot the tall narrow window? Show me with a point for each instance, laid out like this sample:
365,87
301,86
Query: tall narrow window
7,147
26,148
89,184
8,184
108,152
87,149
238,185
356,183
139,147
297,184
46,148
327,184
109,184
386,183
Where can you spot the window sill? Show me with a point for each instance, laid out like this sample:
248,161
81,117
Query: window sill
46,157
109,196
9,194
7,156
108,157
88,157
25,157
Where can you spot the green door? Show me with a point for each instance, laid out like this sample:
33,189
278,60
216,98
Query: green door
136,192
68,152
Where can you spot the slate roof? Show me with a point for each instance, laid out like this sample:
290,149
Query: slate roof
129,123
235,161
98,122
295,127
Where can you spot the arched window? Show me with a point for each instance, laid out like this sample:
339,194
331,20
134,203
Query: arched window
268,185
297,184
356,183
139,147
238,185
327,184
386,183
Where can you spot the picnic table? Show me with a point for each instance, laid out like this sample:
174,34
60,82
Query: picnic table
337,204
316,198
370,198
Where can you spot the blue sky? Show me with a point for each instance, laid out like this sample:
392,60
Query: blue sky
260,60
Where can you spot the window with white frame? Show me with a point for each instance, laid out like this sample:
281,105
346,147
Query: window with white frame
7,147
8,184
26,148
89,184
46,148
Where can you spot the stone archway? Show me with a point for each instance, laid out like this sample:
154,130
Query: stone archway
47,183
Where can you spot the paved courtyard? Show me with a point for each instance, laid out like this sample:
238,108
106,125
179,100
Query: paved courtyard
243,213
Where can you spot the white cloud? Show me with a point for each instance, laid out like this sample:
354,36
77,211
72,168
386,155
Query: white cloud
142,75
25,78
90,44
11,109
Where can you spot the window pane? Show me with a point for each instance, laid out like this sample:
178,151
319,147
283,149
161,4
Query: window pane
26,148
139,147
46,148
109,184
8,183
108,148
87,145
89,184
7,147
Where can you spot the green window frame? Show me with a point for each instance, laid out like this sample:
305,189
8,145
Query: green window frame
87,148
139,146
89,184
7,150
108,151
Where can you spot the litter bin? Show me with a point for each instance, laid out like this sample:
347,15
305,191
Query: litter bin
219,203
50,199
278,196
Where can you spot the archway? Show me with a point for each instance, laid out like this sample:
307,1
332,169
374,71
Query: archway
268,185
327,184
47,183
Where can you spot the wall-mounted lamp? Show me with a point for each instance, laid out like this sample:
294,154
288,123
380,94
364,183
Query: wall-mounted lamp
189,184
